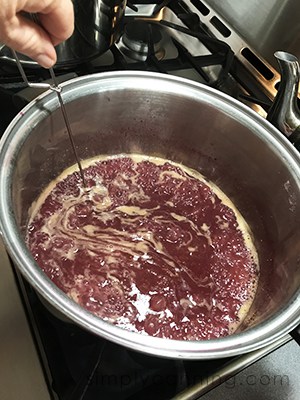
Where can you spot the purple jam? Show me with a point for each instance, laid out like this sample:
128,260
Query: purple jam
146,246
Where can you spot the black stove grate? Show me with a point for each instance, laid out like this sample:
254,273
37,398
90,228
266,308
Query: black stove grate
222,54
11,83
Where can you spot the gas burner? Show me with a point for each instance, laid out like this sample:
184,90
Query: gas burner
141,40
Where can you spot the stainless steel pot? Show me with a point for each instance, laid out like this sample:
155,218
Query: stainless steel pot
97,27
186,122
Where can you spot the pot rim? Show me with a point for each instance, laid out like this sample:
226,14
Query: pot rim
263,334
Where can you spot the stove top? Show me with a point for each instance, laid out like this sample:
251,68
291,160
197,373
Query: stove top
182,38
172,37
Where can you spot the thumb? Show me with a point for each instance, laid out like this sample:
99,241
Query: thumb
28,38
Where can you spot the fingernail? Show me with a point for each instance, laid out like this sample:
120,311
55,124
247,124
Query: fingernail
45,61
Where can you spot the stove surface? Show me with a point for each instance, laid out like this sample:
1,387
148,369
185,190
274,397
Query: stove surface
275,377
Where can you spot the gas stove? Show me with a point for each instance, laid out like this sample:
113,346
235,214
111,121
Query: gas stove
190,40
181,38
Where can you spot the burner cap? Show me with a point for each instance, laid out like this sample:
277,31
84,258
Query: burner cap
137,38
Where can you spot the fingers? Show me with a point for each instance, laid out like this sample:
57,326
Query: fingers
37,41
27,38
56,17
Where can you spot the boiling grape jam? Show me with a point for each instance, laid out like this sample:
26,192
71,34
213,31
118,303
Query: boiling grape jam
147,245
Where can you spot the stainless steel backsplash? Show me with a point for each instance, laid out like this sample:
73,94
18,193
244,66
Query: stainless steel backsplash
267,26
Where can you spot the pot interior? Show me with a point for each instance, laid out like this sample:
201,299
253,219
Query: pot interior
233,148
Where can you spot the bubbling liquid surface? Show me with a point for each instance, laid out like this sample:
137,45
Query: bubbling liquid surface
149,246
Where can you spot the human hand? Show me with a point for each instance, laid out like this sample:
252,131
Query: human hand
37,41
